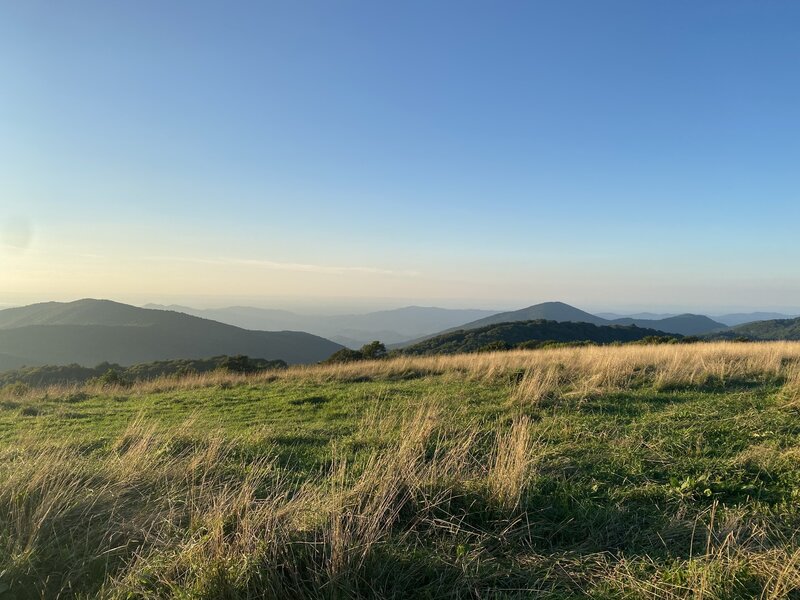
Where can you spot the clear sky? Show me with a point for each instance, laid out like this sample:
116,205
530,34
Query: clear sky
609,154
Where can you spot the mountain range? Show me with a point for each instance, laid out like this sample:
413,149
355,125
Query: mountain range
405,326
354,330
89,331
686,324
730,319
734,319
560,312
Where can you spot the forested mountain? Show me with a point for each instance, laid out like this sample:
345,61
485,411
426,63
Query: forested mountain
528,334
564,313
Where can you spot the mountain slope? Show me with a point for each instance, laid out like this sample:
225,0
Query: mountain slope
517,332
9,362
777,329
733,319
686,324
92,331
246,317
548,311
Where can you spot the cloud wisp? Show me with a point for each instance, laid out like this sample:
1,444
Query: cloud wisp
285,266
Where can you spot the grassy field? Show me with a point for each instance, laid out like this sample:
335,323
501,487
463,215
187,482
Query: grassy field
665,471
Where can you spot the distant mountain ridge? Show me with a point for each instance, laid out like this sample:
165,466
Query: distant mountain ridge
516,333
9,362
733,319
776,329
610,316
687,324
561,312
80,312
90,331
354,330
729,319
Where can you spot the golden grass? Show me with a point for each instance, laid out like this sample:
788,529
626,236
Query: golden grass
510,469
591,369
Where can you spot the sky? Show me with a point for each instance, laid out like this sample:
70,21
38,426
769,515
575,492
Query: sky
614,155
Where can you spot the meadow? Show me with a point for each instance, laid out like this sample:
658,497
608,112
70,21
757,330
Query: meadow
665,471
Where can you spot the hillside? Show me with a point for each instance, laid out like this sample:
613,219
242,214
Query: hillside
733,319
83,312
686,324
548,311
8,362
613,473
246,317
89,332
354,330
521,332
778,329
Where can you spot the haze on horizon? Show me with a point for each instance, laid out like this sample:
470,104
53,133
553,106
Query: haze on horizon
616,155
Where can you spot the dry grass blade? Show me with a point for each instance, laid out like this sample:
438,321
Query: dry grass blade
510,470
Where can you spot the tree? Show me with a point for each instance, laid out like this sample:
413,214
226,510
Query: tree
373,350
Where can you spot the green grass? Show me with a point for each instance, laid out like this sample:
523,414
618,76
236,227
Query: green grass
299,418
641,491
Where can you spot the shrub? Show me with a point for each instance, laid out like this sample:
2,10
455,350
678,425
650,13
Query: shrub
345,355
238,364
113,378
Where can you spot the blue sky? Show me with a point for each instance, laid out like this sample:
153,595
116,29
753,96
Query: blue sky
609,154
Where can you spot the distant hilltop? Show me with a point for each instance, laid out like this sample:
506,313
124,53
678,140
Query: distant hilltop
88,332
687,324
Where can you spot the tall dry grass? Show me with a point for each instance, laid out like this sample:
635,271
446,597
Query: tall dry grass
586,369
171,513
511,465
727,550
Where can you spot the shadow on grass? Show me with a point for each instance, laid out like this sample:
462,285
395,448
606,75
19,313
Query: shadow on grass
311,401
